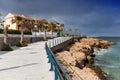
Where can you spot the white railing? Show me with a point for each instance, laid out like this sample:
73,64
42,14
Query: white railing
56,41
41,34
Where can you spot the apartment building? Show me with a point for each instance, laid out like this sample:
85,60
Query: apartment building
9,20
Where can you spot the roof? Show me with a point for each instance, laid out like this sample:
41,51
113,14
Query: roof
26,17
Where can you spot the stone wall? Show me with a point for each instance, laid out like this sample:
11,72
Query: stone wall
63,45
15,40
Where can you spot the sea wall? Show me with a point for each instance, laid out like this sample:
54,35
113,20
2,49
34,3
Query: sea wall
62,46
12,41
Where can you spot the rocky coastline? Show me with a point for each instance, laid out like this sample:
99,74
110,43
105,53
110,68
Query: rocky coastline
78,59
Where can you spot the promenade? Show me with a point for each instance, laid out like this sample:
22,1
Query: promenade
26,63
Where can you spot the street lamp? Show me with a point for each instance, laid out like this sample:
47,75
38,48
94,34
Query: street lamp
35,29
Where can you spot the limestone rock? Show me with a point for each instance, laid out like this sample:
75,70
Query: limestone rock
66,58
78,59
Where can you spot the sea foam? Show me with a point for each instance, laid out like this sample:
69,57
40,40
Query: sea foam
100,51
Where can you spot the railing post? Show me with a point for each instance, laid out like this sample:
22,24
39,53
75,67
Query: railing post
56,71
65,73
52,42
49,43
48,54
51,65
55,42
60,40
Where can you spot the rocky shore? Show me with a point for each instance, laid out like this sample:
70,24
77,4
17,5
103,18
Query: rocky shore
78,59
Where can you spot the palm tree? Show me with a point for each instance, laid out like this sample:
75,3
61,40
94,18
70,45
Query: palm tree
39,25
61,29
5,29
5,33
53,27
6,46
21,26
45,26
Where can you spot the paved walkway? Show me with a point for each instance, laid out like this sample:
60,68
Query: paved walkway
26,63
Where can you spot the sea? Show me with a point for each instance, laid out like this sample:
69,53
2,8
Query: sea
109,59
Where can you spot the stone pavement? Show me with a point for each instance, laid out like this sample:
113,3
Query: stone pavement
26,63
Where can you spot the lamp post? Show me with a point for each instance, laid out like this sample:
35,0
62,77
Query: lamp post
35,29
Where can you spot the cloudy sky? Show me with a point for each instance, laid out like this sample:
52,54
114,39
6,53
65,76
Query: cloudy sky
92,17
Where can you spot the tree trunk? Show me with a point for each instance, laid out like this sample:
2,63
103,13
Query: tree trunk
22,36
45,36
51,33
39,29
5,35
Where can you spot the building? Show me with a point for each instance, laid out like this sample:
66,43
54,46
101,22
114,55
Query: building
10,20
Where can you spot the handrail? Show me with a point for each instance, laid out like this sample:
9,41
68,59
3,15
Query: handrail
56,41
60,72
77,75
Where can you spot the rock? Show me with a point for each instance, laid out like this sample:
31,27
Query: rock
80,47
101,74
76,40
80,58
112,43
66,58
104,46
90,60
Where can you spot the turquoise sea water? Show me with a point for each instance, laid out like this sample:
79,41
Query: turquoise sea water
109,60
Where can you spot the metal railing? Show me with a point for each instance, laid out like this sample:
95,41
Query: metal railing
60,72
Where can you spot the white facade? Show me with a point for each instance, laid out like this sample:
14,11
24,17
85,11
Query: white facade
8,21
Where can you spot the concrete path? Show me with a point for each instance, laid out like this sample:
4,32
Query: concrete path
26,63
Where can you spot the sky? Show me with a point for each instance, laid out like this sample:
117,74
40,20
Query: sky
91,17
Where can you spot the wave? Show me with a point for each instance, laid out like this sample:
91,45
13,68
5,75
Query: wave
118,42
109,61
113,66
100,51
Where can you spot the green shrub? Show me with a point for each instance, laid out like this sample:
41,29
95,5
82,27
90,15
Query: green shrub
28,32
11,31
1,30
23,44
6,48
